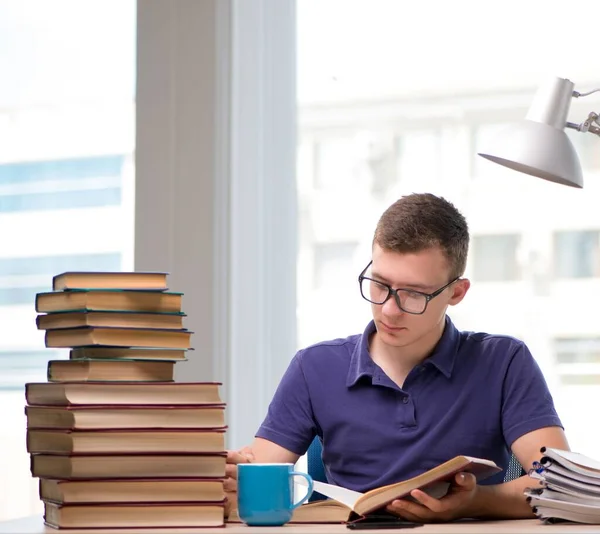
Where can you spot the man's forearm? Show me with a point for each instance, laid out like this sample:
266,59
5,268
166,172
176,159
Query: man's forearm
503,501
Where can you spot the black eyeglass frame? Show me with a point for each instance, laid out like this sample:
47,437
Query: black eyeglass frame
394,292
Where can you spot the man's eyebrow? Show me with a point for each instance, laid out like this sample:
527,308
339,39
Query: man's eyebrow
418,287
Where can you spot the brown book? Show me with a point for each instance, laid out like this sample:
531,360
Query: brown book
110,280
74,319
125,417
124,353
125,441
109,300
154,515
345,505
120,337
137,490
128,466
110,370
122,393
323,511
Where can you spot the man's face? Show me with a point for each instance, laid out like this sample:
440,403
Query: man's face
424,271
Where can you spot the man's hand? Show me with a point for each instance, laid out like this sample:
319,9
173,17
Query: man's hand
456,504
243,456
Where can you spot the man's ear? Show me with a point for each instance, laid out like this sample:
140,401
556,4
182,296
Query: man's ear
460,289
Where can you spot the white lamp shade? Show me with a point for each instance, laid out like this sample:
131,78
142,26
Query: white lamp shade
539,145
539,150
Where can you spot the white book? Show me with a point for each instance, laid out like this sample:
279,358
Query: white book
573,461
550,515
554,495
569,486
553,504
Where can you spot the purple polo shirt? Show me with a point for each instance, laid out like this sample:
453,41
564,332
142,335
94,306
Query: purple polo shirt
475,395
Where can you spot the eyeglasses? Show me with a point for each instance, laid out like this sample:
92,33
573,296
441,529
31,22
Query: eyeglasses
408,300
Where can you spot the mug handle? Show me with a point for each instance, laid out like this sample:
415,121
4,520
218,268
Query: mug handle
309,491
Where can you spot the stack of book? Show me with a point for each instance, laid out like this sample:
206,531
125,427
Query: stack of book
568,487
114,440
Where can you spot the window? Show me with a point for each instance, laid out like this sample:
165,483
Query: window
482,135
341,162
66,184
19,367
587,149
578,351
49,265
494,258
333,262
22,278
381,157
577,254
442,101
76,169
60,201
578,367
419,158
61,184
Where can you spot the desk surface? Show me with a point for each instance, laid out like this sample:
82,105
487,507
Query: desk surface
35,525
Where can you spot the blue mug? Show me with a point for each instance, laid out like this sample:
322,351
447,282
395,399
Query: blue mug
266,493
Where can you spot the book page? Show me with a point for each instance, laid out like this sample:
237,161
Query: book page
545,513
539,500
554,468
567,497
343,495
437,490
567,482
573,457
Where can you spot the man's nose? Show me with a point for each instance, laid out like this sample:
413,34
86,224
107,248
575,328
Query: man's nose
390,307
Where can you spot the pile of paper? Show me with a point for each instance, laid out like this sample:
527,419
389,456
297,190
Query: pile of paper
568,487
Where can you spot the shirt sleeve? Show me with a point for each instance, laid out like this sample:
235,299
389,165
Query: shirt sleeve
290,422
527,402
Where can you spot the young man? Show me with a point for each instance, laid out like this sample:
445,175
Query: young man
412,391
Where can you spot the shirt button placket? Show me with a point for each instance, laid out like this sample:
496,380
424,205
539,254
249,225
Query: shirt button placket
406,412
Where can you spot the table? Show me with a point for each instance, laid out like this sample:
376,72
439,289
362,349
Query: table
35,525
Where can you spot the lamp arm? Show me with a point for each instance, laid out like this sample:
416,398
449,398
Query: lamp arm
591,124
577,94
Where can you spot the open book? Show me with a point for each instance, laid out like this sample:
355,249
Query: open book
345,504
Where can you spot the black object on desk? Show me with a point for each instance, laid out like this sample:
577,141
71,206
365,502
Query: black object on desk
380,519
368,525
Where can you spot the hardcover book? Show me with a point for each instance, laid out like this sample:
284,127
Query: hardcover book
110,280
122,393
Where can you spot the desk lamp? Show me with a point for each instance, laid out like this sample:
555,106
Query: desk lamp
539,145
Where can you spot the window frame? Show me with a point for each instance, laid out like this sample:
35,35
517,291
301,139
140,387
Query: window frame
216,187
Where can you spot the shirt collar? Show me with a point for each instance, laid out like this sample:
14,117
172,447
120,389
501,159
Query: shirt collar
361,363
442,357
444,354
